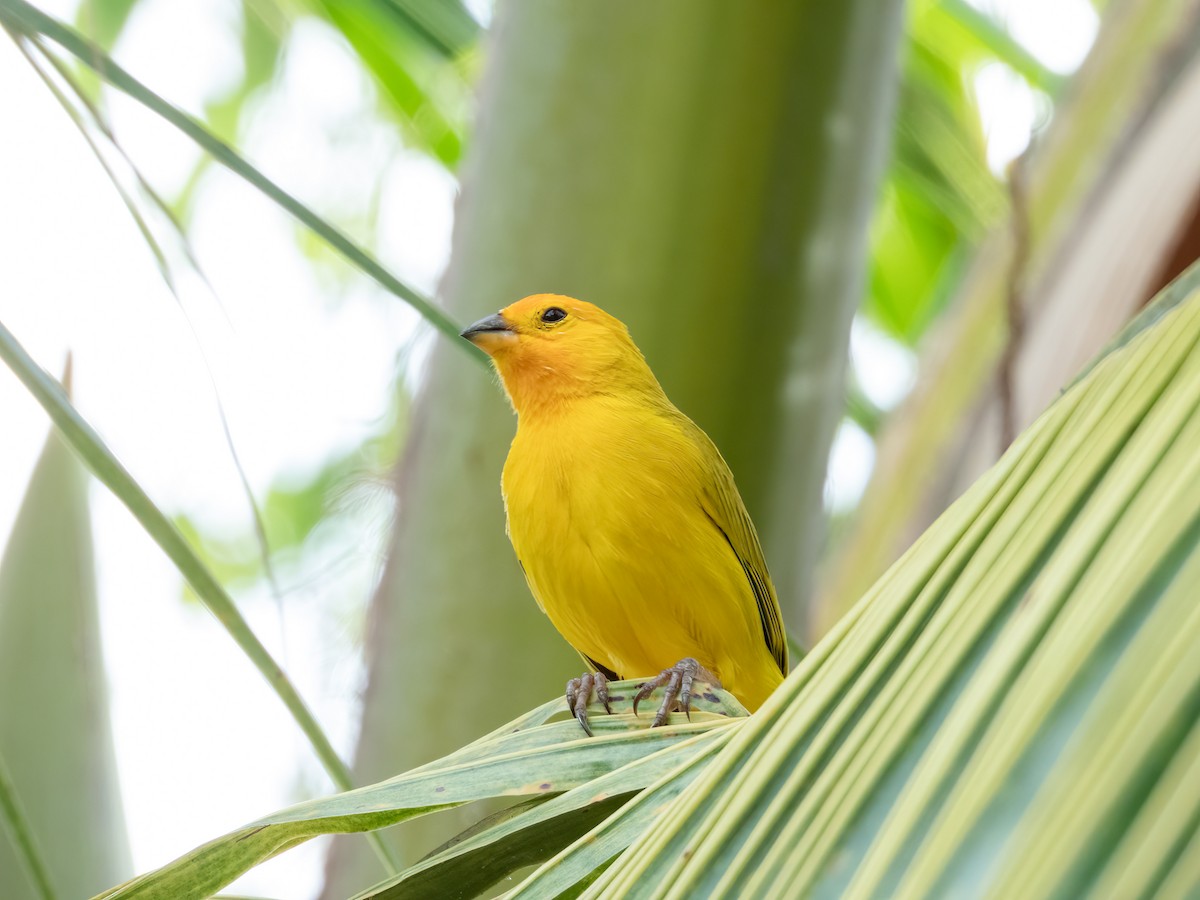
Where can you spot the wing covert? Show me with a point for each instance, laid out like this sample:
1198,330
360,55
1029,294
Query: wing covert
723,505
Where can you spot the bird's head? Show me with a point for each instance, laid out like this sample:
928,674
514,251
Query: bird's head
550,349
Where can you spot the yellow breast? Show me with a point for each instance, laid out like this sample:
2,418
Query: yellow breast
604,511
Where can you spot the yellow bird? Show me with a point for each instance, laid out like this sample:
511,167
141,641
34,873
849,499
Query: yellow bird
625,518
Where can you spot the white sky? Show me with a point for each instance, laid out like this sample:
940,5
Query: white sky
305,364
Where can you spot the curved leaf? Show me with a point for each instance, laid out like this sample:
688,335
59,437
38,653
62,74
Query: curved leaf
513,761
55,735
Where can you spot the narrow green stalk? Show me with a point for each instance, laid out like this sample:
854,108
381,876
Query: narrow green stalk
98,121
23,18
1008,50
22,836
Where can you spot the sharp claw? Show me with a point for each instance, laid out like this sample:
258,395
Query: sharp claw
586,683
679,680
602,691
579,693
669,695
645,691
685,694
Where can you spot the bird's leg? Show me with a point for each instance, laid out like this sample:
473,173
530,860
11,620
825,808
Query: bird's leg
579,692
678,680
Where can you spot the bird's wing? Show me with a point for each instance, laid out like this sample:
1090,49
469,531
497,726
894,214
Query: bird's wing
723,505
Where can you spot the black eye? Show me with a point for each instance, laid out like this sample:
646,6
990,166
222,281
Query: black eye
553,314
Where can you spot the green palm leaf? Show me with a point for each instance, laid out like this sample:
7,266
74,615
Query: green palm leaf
1016,697
55,737
524,758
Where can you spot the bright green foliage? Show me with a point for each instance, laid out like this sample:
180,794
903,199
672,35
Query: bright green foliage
444,26
55,736
289,517
405,46
264,30
962,24
939,197
104,20
418,51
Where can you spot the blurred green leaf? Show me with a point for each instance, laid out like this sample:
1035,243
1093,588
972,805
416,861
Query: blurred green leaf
427,94
290,513
445,25
264,31
940,197
84,440
22,18
24,844
991,38
55,735
104,20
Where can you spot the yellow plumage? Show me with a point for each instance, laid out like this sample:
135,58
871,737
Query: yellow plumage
625,518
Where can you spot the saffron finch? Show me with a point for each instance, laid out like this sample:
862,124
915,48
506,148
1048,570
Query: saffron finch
625,518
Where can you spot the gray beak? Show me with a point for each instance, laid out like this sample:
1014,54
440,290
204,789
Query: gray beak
483,326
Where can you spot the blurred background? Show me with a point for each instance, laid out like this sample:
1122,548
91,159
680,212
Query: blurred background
819,226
